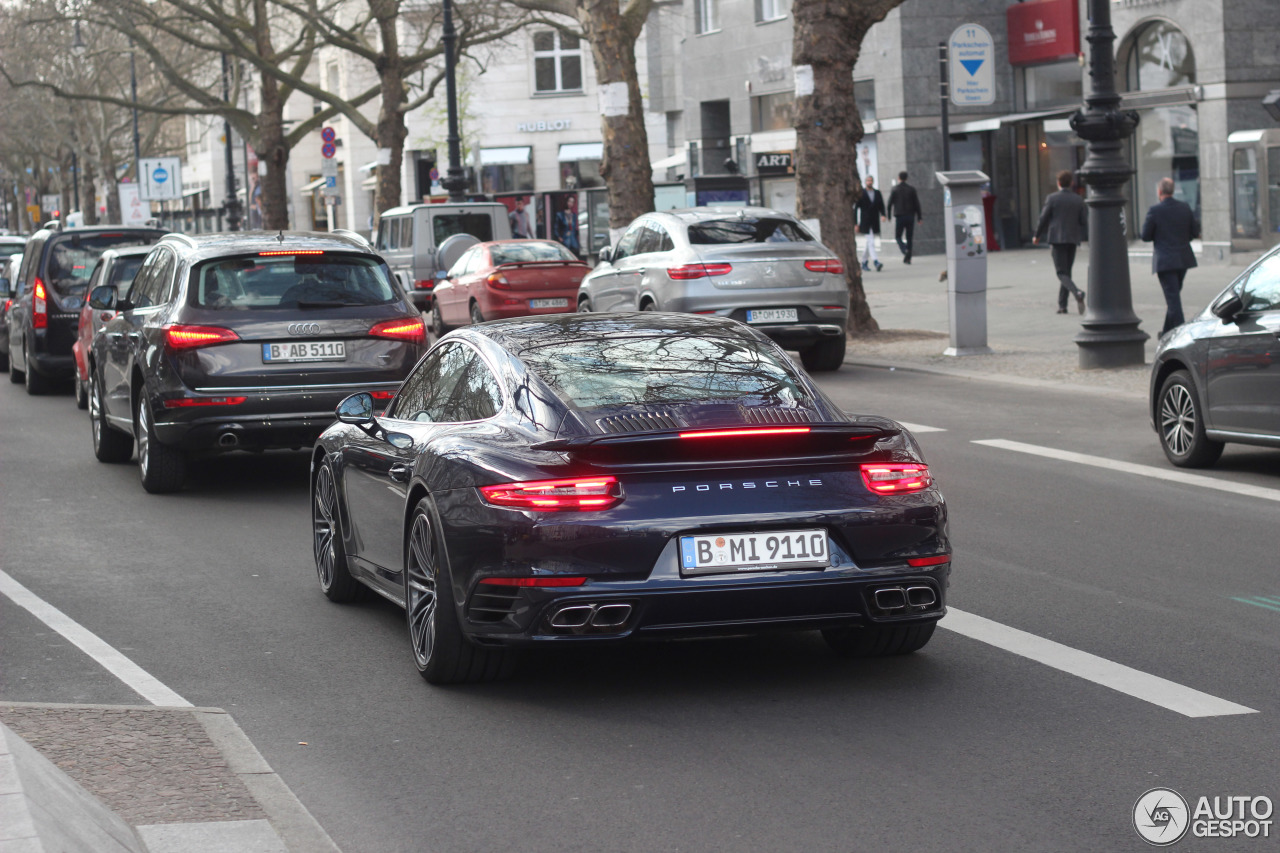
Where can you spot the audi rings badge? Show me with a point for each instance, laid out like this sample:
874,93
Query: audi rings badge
304,328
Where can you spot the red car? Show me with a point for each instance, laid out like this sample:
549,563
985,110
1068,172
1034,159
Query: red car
116,267
507,278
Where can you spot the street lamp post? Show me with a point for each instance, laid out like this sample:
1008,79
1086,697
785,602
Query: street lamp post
1110,337
232,203
456,180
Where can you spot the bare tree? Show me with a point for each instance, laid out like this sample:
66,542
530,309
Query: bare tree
826,43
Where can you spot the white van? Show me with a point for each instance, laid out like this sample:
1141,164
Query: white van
409,238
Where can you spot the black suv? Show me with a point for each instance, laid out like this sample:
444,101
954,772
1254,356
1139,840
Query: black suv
48,294
243,341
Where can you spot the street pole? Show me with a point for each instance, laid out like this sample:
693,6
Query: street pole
944,86
231,204
1110,337
75,181
456,180
137,142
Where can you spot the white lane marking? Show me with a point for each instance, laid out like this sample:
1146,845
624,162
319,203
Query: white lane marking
921,427
135,677
1169,474
1124,679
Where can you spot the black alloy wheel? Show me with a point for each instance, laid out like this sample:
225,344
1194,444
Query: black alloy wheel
82,394
476,315
442,654
37,382
437,320
878,640
161,467
109,445
1181,427
336,581
825,355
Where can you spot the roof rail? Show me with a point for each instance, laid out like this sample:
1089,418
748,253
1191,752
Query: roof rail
187,238
53,225
352,235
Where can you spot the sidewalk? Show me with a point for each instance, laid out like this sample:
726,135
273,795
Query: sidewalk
1032,344
184,780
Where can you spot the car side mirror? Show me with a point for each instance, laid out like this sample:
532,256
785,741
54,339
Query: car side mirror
103,297
606,254
1227,306
356,409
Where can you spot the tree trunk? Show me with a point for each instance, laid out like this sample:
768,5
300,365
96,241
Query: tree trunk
625,169
391,131
827,39
273,150
88,193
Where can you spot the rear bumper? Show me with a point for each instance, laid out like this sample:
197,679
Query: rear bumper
801,335
51,347
421,299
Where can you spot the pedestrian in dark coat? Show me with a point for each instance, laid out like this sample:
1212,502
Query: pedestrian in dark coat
868,212
1064,221
904,207
1171,226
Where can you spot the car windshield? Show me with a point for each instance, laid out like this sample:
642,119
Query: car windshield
291,281
663,369
514,253
748,229
123,272
71,259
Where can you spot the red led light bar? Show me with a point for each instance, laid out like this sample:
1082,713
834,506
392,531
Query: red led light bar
292,252
896,478
737,433
413,331
921,562
188,337
382,395
541,581
190,402
576,494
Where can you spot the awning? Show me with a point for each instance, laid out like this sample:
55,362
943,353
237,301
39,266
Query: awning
190,193
675,161
369,183
517,156
370,166
571,152
984,124
313,186
774,140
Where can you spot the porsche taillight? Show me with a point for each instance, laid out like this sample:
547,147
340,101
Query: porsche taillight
39,306
896,478
576,494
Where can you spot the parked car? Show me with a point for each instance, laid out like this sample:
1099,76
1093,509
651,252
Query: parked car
596,477
116,267
411,239
10,259
49,293
1216,379
507,278
243,341
752,264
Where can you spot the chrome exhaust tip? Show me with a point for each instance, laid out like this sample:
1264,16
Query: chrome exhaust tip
611,616
891,599
921,596
228,439
573,616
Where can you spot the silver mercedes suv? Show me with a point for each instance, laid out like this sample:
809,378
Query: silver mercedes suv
756,265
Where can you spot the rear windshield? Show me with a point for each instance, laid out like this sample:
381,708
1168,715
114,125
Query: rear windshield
445,225
663,369
748,229
72,258
291,281
123,272
514,253
9,249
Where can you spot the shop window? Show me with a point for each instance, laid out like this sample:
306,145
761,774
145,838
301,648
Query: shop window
557,62
864,92
773,112
1054,85
506,179
706,15
772,10
580,175
1159,57
1244,193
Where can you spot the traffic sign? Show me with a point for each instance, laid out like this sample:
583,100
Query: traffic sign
972,66
329,169
161,178
328,134
328,150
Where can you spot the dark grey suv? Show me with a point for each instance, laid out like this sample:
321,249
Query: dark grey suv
1216,379
243,341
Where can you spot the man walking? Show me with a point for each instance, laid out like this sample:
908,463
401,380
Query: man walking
1064,220
904,207
519,219
868,212
1171,226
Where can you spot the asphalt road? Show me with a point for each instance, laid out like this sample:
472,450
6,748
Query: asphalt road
768,744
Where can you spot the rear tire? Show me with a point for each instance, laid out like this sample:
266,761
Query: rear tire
477,316
161,467
825,355
1180,424
37,383
441,652
109,445
82,395
437,320
335,578
4,362
648,305
878,640
584,306
16,376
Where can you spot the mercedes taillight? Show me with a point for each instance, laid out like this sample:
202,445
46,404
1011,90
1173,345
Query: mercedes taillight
688,272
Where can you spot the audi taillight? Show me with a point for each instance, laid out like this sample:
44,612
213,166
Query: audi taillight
576,494
831,265
550,580
382,395
896,478
413,331
744,432
177,336
687,272
498,280
39,306
193,402
424,284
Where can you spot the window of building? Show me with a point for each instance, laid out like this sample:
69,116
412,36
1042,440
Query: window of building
198,134
506,170
1159,57
772,10
557,62
864,92
706,14
1056,84
773,112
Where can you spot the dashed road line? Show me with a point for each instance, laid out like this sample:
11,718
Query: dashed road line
921,427
1123,679
1263,601
135,677
1151,471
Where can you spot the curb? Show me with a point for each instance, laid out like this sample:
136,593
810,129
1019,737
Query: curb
1003,378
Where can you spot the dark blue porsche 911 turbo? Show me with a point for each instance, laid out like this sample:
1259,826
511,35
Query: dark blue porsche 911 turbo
600,477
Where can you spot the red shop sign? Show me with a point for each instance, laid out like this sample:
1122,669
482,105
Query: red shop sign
1043,31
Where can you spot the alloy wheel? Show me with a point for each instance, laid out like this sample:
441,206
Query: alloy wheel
95,412
1178,419
421,597
323,526
144,437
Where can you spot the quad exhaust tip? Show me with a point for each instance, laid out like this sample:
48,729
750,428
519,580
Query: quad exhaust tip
896,599
581,618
